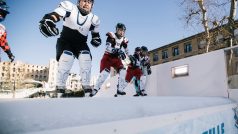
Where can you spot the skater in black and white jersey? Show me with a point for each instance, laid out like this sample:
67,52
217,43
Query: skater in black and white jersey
78,21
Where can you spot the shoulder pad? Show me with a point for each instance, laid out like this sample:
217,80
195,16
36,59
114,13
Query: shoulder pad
111,35
67,5
2,29
95,20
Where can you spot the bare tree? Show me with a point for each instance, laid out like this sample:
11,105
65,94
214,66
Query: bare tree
231,26
206,15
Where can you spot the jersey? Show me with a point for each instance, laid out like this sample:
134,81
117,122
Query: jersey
3,38
134,61
114,42
76,26
145,64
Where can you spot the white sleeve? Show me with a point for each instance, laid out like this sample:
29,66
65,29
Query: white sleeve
95,23
65,6
126,49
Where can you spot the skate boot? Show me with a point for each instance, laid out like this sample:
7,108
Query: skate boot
94,92
137,94
119,93
236,115
236,124
143,93
59,92
87,90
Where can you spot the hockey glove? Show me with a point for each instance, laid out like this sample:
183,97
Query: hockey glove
48,28
149,71
96,41
122,55
115,50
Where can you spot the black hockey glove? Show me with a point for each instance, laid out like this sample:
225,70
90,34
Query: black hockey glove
96,40
48,28
10,55
149,71
121,54
115,50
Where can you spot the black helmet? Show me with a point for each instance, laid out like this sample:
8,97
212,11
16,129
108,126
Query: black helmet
3,7
121,25
137,49
144,49
91,0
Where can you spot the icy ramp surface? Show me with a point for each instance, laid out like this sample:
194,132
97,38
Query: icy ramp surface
32,115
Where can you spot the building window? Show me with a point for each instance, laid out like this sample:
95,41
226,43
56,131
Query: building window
164,54
219,39
202,44
180,71
236,52
236,33
187,48
175,51
236,67
155,57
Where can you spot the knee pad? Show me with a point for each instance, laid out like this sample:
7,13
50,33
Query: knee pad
65,64
85,62
122,83
101,78
142,82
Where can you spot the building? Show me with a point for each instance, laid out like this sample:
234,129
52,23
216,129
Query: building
73,82
195,45
15,74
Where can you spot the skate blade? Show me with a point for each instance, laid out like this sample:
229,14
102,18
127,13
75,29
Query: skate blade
87,94
118,95
87,90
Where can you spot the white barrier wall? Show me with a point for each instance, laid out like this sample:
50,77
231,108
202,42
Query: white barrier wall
121,115
233,94
213,120
207,77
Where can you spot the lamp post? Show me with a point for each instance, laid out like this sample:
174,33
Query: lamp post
14,89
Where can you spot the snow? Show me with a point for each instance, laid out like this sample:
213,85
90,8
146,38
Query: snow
36,115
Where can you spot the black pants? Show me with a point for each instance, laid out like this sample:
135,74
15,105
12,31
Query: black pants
74,48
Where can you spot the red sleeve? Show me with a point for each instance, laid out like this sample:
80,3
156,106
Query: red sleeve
110,39
3,42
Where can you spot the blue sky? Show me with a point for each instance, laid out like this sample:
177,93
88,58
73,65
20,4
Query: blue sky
151,23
